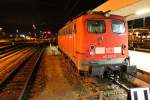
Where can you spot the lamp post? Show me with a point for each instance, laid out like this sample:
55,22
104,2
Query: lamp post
1,30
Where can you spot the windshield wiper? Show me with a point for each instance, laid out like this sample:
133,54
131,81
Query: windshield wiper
95,31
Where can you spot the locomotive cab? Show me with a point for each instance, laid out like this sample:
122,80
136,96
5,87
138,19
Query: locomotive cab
105,42
96,43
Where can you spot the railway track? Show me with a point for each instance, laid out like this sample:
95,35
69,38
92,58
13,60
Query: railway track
106,90
141,79
117,90
12,52
10,63
92,88
10,48
111,89
16,87
143,75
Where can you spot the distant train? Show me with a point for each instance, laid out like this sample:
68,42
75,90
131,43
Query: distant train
97,43
139,38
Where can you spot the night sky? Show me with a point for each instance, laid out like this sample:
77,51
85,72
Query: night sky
45,14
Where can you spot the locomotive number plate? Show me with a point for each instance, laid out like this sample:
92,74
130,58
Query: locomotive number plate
109,50
100,50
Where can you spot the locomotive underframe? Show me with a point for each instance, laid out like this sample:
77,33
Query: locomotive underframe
111,66
101,67
99,63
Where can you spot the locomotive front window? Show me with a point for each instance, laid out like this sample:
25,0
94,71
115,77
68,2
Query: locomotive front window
118,26
96,26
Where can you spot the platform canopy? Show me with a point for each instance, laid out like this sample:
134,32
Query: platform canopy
131,9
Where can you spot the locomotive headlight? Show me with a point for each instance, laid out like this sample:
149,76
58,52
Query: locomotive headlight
92,53
92,50
107,15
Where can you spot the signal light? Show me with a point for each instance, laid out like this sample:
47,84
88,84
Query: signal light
48,32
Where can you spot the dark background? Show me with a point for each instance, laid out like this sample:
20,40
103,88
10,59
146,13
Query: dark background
139,23
44,14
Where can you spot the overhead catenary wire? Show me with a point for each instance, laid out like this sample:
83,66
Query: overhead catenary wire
72,8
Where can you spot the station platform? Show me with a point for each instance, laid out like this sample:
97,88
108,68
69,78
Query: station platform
140,59
57,85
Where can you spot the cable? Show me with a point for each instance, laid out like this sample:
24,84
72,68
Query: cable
75,4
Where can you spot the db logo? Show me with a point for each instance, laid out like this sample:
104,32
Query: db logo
109,50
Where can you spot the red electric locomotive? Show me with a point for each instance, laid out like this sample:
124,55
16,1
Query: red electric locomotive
96,42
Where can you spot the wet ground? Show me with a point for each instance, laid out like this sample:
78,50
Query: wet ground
54,85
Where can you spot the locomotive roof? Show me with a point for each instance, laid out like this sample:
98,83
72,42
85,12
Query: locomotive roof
90,13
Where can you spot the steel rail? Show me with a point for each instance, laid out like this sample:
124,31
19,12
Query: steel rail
18,85
10,52
7,69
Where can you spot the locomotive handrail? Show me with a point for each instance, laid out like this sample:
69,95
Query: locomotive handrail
90,12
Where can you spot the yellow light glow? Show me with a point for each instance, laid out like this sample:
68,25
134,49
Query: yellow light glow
143,11
114,5
1,28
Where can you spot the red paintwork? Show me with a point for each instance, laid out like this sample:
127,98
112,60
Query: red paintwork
76,45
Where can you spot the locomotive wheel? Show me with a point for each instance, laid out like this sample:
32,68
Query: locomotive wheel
127,77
